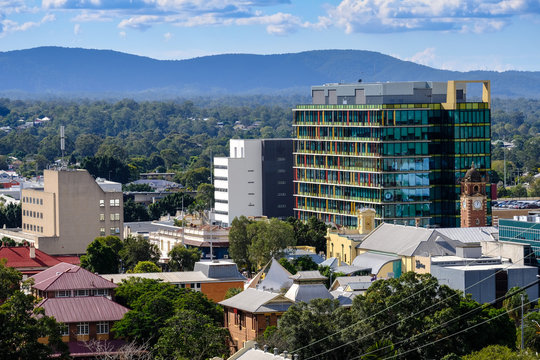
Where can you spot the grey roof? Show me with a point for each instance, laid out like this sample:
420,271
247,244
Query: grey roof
467,235
350,269
143,226
345,298
331,262
307,292
219,269
157,183
409,240
258,301
342,281
292,254
276,278
373,261
308,276
359,286
253,354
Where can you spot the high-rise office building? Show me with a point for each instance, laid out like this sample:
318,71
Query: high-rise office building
399,148
255,180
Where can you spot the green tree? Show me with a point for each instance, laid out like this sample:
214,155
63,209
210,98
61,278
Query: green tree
182,258
9,280
107,167
145,267
269,240
311,233
191,335
498,352
239,241
232,292
102,255
512,305
87,145
135,211
137,249
192,178
205,195
21,326
305,263
287,265
170,204
534,189
11,215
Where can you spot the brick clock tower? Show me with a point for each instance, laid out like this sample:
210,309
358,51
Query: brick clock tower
473,199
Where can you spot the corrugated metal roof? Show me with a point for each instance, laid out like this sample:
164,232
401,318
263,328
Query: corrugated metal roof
177,277
257,301
19,257
308,275
64,276
83,309
307,292
468,235
276,278
219,269
373,261
342,281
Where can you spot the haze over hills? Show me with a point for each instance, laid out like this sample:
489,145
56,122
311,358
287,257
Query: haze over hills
75,72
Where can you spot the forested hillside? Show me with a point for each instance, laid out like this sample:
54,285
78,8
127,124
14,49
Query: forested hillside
181,135
47,72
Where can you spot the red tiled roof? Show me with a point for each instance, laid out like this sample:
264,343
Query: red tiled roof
18,257
83,309
64,276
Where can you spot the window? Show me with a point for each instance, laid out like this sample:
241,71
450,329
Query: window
281,182
64,330
103,327
281,194
116,202
40,201
117,216
63,293
101,203
83,328
111,202
81,292
280,171
101,231
195,286
101,292
101,217
112,231
112,217
117,230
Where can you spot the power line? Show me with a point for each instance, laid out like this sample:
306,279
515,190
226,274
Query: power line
456,333
399,302
479,308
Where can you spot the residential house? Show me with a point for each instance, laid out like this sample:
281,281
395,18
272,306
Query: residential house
29,260
211,278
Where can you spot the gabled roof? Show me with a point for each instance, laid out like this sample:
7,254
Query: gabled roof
83,309
468,235
332,262
64,276
307,292
19,257
313,275
258,301
276,278
343,281
408,241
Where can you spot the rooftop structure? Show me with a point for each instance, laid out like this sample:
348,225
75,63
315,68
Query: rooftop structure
28,260
399,148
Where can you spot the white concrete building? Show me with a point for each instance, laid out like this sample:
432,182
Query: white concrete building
238,181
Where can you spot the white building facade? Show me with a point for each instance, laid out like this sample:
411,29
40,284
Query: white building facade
238,181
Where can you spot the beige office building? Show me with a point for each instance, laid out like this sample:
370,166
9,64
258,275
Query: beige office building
69,212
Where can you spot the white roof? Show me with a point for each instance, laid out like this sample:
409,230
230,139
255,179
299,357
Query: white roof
276,278
373,261
468,235
177,277
258,301
307,292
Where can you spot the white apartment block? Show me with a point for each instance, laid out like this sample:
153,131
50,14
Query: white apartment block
238,181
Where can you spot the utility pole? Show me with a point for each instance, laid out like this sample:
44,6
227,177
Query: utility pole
522,338
504,156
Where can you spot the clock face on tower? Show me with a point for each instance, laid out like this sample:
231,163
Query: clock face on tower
477,204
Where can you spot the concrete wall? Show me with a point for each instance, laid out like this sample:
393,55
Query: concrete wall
460,280
75,210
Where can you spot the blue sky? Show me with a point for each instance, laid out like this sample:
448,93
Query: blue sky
447,34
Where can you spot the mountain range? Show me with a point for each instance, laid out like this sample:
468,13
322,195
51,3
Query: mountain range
76,72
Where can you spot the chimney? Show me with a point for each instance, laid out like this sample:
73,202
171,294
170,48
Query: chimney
32,251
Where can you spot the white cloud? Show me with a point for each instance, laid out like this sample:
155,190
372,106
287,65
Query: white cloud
122,34
93,16
142,22
372,16
424,57
77,29
167,36
10,26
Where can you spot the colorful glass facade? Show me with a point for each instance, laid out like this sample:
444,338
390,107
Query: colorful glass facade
403,160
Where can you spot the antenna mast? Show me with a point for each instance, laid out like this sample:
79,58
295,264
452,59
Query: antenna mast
62,143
